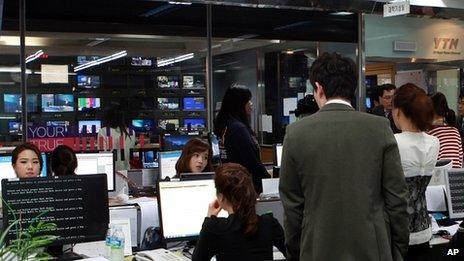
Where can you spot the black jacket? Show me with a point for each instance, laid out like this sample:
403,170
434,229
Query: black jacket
224,238
242,148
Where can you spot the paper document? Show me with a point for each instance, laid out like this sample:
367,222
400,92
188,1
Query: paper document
289,105
125,224
266,123
126,212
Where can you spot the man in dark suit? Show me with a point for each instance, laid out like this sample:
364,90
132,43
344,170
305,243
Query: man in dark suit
342,185
385,104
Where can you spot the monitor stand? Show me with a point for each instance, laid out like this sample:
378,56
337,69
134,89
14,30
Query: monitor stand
57,252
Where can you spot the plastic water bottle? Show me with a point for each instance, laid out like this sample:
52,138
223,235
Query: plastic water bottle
117,245
109,234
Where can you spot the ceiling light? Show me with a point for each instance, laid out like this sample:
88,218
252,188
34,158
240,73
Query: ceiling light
34,56
100,61
342,13
15,69
179,3
164,62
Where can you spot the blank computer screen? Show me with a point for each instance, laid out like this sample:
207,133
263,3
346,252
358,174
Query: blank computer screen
278,151
167,163
192,199
94,163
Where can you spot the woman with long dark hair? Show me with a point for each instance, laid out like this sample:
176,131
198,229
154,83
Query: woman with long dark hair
243,235
232,126
115,126
444,128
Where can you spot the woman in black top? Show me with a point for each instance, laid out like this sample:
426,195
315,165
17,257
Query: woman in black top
243,235
232,126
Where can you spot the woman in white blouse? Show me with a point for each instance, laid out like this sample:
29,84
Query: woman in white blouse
413,114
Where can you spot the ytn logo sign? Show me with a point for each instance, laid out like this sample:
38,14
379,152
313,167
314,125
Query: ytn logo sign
446,43
452,252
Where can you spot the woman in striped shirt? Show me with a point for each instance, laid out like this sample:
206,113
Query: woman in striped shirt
444,128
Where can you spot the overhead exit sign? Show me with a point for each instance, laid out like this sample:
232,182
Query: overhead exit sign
396,8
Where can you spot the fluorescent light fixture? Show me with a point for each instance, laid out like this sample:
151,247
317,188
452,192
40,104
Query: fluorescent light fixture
7,117
100,61
34,56
219,71
15,69
342,13
164,62
179,3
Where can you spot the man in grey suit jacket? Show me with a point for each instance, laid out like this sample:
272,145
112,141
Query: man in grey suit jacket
342,185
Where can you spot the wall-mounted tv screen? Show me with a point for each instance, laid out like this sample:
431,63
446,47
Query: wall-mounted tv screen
295,82
194,103
15,127
140,104
88,103
168,103
193,82
57,102
164,81
195,123
141,61
12,103
82,59
143,125
88,81
162,123
89,125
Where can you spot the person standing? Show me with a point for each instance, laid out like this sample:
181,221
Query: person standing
413,114
232,126
341,185
444,127
122,139
385,108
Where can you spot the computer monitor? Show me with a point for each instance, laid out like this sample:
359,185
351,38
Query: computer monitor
78,205
7,171
192,199
12,103
88,81
95,163
144,158
175,142
194,103
15,127
167,163
195,123
163,123
196,176
88,104
89,125
193,81
454,179
168,103
57,102
278,154
143,125
167,82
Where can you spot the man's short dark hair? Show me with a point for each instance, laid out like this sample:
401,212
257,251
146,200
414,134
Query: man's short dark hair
386,87
336,74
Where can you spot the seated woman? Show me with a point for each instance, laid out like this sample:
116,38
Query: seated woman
243,235
63,161
194,158
27,161
413,115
